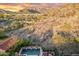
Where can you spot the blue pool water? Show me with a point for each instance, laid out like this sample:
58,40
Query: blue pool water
30,52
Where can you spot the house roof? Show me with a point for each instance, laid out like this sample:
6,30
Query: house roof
9,42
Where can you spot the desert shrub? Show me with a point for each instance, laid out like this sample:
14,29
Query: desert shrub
77,39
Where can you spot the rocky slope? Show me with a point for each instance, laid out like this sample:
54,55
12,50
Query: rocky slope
53,27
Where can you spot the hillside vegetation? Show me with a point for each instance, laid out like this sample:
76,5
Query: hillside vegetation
48,27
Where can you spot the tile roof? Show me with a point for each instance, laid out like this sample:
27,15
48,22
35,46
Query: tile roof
8,43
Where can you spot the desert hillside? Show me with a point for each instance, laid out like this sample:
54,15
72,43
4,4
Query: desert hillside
55,26
61,21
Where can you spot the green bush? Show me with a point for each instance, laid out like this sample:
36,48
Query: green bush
20,43
3,35
3,54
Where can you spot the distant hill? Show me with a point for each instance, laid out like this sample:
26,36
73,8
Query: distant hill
38,8
2,11
29,11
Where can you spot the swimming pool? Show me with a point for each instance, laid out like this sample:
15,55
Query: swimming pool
30,51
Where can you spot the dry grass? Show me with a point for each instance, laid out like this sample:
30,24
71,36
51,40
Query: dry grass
64,18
